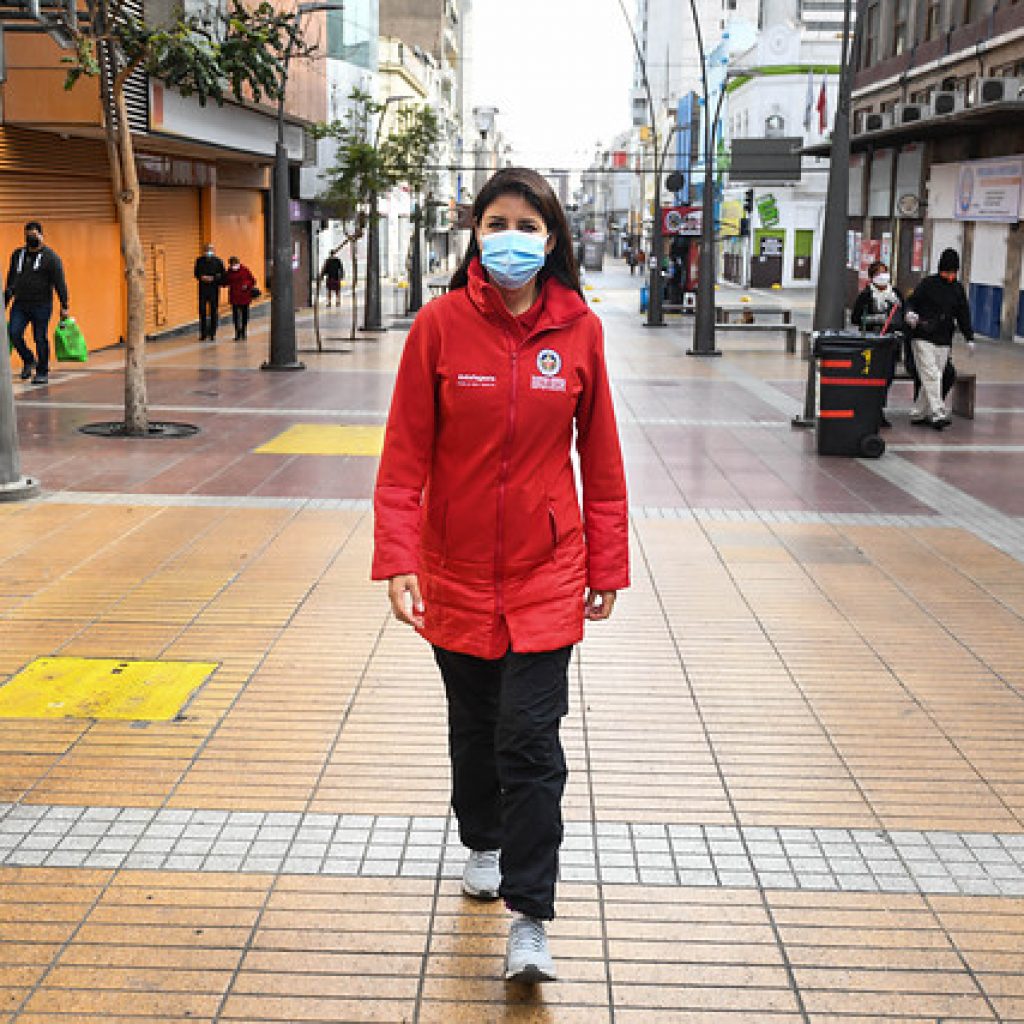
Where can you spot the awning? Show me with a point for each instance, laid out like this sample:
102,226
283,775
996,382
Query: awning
971,120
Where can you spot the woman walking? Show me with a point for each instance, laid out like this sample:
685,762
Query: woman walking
242,290
878,308
479,532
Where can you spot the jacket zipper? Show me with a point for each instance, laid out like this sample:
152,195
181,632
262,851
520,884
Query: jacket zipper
499,559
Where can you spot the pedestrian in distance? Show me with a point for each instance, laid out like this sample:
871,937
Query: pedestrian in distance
241,285
479,534
879,309
34,274
209,272
935,308
333,273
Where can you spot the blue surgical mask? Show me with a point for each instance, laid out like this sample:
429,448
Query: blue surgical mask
513,258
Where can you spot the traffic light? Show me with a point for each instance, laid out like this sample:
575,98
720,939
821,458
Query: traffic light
748,201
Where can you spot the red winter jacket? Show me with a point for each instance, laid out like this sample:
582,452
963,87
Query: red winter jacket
476,491
240,284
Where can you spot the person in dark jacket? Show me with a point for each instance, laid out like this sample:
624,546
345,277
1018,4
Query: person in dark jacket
333,273
209,272
34,274
240,285
936,307
878,309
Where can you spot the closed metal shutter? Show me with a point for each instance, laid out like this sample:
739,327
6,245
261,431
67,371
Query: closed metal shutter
25,196
171,239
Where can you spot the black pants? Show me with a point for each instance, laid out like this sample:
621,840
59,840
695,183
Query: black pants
508,768
209,317
240,316
38,315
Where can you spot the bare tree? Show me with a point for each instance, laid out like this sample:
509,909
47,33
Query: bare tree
241,52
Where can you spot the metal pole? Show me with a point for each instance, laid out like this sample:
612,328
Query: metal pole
830,294
282,296
13,486
704,321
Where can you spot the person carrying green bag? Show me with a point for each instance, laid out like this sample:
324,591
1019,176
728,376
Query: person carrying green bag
69,342
35,273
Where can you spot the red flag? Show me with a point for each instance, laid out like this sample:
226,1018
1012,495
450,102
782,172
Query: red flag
822,109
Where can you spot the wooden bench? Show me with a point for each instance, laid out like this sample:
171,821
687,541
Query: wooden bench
963,396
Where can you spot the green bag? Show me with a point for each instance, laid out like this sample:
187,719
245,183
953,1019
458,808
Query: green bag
69,342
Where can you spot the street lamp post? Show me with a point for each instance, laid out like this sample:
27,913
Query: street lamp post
704,320
282,287
830,294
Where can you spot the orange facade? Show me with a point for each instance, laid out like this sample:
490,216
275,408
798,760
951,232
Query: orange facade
54,168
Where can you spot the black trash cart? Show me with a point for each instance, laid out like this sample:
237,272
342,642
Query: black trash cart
854,371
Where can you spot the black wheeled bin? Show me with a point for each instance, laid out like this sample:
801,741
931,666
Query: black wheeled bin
853,375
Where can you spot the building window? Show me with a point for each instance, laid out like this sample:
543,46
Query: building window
932,18
774,126
899,27
872,24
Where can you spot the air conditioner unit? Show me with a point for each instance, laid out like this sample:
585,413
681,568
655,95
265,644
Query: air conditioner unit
998,90
947,103
876,122
908,113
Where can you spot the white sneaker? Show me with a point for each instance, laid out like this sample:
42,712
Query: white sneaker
481,877
528,958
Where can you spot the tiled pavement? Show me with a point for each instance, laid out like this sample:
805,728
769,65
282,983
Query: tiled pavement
797,788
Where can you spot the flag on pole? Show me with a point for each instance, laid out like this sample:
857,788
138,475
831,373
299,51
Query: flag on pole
822,108
809,104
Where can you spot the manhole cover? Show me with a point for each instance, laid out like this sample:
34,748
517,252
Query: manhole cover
157,428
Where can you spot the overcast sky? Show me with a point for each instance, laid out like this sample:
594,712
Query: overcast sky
559,71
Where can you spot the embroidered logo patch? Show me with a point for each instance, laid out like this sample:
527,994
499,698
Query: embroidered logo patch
476,380
549,362
547,383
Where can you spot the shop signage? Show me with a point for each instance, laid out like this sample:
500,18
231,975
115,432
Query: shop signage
681,220
767,210
989,190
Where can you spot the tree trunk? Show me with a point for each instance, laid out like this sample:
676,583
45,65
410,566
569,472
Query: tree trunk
355,285
125,183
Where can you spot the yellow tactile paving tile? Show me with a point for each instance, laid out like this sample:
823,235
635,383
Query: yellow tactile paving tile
102,688
325,439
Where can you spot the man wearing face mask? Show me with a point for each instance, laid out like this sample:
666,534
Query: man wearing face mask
936,307
34,274
209,272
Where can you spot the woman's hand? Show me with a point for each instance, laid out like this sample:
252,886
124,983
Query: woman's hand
599,604
408,609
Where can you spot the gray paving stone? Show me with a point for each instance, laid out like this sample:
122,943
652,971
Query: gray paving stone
812,880
618,875
701,879
183,862
223,862
341,866
736,879
303,865
419,869
656,876
260,864
379,868
65,859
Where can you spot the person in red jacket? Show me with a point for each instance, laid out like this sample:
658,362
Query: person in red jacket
478,530
242,290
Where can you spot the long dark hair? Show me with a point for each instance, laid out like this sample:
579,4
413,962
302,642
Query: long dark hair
521,181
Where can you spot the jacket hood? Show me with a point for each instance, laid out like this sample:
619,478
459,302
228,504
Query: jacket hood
562,306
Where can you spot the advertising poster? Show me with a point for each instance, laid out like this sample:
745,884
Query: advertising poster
917,250
989,190
870,251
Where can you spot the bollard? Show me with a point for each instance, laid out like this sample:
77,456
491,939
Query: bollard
13,486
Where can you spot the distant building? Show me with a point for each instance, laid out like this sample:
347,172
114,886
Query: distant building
938,149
